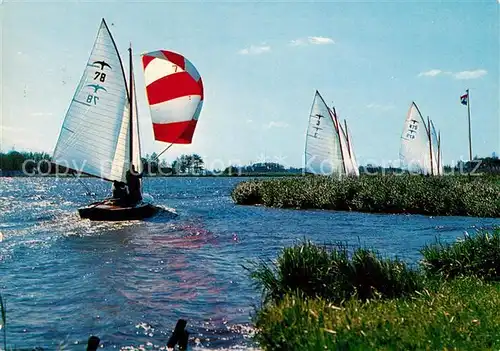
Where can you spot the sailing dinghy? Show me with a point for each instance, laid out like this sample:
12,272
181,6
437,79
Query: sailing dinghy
328,149
100,133
420,144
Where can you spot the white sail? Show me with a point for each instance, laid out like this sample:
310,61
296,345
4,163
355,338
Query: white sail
437,162
136,147
94,138
323,153
350,167
415,152
351,153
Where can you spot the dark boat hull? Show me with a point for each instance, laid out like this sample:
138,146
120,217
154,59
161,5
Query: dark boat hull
110,211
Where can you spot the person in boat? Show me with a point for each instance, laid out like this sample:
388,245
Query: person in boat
134,186
119,191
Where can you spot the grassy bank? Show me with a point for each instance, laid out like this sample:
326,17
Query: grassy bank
461,315
451,301
450,195
335,274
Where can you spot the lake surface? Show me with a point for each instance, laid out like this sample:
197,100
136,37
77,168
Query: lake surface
65,278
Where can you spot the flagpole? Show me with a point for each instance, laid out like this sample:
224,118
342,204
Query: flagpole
468,114
439,161
430,142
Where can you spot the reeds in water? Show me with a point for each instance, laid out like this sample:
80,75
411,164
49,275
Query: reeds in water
448,195
319,298
334,274
477,255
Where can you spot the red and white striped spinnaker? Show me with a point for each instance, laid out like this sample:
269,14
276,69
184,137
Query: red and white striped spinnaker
175,95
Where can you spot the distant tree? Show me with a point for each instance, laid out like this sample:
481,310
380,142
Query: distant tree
196,164
32,161
232,171
264,167
192,164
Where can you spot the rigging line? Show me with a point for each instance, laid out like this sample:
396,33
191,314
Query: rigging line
168,147
83,184
158,156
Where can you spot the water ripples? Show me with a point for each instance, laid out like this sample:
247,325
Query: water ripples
65,278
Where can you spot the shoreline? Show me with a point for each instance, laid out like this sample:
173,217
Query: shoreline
318,297
404,194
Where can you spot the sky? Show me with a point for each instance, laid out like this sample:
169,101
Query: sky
261,63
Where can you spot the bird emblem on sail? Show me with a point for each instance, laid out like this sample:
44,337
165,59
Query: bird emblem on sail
96,87
174,89
102,63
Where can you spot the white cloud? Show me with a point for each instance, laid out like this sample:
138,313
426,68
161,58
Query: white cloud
255,50
478,73
249,121
275,124
380,107
312,41
430,73
320,40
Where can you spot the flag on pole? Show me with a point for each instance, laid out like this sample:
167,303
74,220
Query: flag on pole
464,99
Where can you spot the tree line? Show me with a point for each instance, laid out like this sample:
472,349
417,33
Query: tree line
15,162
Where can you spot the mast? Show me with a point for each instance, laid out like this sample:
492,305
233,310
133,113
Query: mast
340,138
468,115
347,138
131,97
439,153
430,142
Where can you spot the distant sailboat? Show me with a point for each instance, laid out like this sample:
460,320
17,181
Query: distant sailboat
100,133
436,150
420,145
350,163
328,149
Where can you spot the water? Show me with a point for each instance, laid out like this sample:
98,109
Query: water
65,278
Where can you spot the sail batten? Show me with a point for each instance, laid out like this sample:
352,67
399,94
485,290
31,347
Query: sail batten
94,134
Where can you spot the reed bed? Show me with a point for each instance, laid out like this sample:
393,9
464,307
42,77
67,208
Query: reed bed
477,255
334,274
477,196
317,297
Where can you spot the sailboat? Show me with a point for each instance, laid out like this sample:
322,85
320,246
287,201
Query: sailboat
420,144
100,133
350,163
436,150
328,149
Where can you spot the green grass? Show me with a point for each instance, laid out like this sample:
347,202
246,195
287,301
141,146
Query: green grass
449,195
334,274
460,315
318,298
477,255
